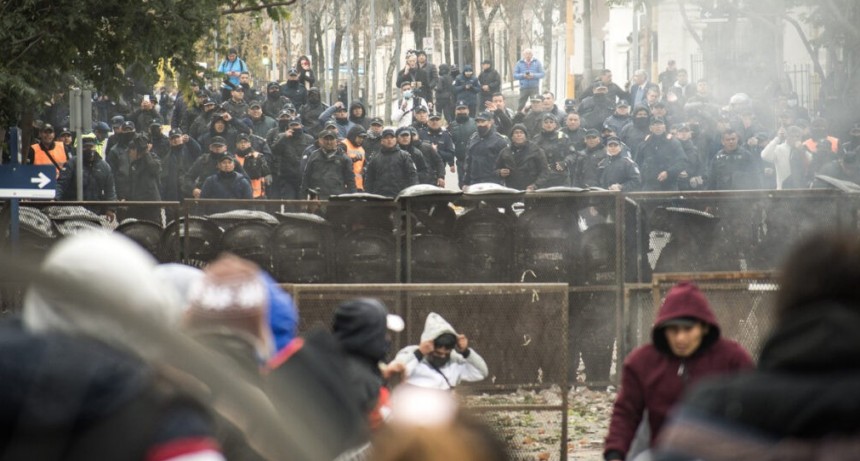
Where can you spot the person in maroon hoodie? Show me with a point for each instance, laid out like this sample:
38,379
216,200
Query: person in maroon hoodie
685,347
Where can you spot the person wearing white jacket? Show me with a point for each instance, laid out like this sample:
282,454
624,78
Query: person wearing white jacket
402,110
442,359
779,152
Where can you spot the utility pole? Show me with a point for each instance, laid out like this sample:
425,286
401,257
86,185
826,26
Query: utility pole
570,89
372,99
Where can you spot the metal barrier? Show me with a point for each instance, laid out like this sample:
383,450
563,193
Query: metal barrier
741,301
521,330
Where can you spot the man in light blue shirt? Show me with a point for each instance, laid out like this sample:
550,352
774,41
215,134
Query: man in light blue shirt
529,71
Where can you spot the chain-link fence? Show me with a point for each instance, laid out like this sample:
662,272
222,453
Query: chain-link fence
521,331
743,303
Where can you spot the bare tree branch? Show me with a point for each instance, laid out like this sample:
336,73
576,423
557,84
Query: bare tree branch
235,9
689,26
813,55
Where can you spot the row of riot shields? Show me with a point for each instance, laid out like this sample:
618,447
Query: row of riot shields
490,235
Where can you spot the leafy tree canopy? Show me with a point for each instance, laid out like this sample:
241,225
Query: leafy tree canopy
49,45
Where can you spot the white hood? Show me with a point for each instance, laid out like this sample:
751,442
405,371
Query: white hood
117,271
435,326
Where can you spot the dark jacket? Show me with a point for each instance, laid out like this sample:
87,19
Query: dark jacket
444,144
556,147
273,104
98,181
287,153
175,164
73,398
202,168
444,87
461,134
493,80
481,160
363,120
263,125
590,172
231,130
738,170
526,162
621,170
594,110
657,154
119,164
144,178
654,379
295,92
328,173
435,165
802,398
416,75
223,185
422,165
467,89
389,172
311,112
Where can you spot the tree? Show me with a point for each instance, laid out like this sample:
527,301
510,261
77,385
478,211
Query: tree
50,45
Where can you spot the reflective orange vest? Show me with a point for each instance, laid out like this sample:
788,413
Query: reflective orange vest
256,184
357,167
811,144
58,152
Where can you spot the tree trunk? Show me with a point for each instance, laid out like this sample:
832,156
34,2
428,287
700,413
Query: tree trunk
548,6
395,60
339,30
486,20
446,29
587,43
419,22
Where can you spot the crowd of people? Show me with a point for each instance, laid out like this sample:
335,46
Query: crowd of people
170,362
285,142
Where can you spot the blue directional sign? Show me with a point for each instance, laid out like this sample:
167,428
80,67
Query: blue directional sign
27,181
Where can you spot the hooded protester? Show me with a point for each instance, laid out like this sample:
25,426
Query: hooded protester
311,112
522,164
442,359
353,146
274,102
361,327
800,402
686,347
358,114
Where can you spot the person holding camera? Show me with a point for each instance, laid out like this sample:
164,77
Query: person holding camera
404,107
419,77
529,71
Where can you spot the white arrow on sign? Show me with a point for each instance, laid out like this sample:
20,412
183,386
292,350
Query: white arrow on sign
41,180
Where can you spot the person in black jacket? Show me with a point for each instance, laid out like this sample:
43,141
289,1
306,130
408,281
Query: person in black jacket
660,159
618,172
404,142
328,170
294,90
484,149
143,178
440,139
490,80
445,92
98,180
522,164
274,102
419,78
557,148
226,184
435,165
287,153
176,162
390,170
206,165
